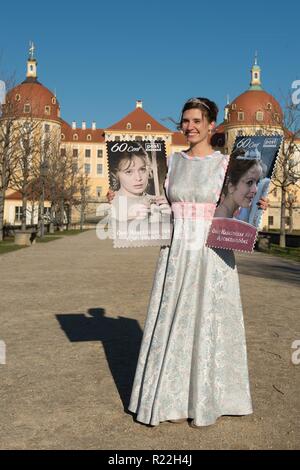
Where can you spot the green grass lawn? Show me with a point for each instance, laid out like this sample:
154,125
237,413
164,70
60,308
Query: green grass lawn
289,253
7,245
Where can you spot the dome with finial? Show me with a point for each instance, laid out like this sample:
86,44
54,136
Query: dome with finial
31,99
254,107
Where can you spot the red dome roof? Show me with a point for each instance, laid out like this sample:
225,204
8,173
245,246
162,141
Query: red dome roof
249,103
32,99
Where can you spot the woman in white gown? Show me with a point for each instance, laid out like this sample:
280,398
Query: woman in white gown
193,360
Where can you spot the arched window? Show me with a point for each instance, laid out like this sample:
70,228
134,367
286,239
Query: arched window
148,126
89,137
18,97
128,125
53,100
62,137
75,136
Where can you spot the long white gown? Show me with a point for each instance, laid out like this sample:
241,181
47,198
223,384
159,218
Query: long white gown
193,359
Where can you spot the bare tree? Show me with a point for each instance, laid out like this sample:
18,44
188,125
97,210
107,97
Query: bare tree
84,197
291,202
26,136
287,172
8,153
64,182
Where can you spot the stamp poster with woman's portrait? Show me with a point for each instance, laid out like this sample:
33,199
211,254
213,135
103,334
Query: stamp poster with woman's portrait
140,213
237,216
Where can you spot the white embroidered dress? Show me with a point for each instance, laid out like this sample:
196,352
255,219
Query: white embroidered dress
193,360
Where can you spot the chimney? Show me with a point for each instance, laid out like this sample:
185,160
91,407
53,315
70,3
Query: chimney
139,104
83,126
93,125
73,124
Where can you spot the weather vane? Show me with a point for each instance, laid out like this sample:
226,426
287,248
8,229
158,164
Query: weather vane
31,49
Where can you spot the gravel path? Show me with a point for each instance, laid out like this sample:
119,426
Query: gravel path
72,314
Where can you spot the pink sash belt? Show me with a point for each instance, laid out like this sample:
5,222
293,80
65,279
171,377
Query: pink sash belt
193,210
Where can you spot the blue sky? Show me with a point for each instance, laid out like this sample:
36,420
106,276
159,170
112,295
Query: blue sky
100,57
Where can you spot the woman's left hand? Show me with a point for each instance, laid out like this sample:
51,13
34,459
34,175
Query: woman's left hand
263,203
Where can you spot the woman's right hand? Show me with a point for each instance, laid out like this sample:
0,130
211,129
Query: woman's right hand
110,195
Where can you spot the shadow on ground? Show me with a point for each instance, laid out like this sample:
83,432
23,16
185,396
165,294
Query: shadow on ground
268,267
121,338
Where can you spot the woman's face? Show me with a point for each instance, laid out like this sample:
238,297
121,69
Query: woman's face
244,192
134,177
195,126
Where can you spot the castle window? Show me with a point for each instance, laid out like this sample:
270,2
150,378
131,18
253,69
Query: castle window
89,137
63,152
276,117
148,126
99,153
75,153
47,110
259,116
233,106
241,116
99,169
47,128
87,153
53,100
62,137
27,108
271,220
269,106
17,97
75,136
87,168
128,125
18,213
256,75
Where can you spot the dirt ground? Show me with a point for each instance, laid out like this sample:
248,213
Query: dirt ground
72,314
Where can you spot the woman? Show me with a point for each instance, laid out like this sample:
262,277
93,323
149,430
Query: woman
192,362
240,186
129,183
130,180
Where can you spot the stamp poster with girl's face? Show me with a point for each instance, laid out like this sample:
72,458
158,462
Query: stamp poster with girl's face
248,177
140,213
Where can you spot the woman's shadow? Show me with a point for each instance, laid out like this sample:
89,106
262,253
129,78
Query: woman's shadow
121,338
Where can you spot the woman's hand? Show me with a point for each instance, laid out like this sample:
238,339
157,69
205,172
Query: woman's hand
263,203
138,211
163,204
160,200
110,195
